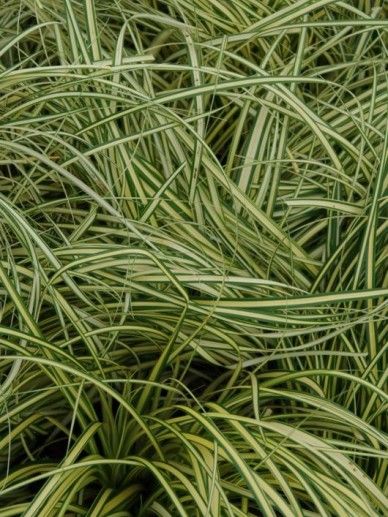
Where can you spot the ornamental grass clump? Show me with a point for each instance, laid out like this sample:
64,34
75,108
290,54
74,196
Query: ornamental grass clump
193,258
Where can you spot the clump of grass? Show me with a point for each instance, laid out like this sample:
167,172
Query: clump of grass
192,275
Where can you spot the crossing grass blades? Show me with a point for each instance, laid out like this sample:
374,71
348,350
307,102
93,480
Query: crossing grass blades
192,276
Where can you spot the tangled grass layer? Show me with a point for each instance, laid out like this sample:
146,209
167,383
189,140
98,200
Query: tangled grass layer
193,291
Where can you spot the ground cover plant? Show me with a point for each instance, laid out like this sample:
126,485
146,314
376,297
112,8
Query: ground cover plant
192,268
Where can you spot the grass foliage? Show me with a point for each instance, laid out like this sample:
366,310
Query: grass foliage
192,276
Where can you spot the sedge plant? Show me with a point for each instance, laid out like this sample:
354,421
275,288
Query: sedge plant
193,258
